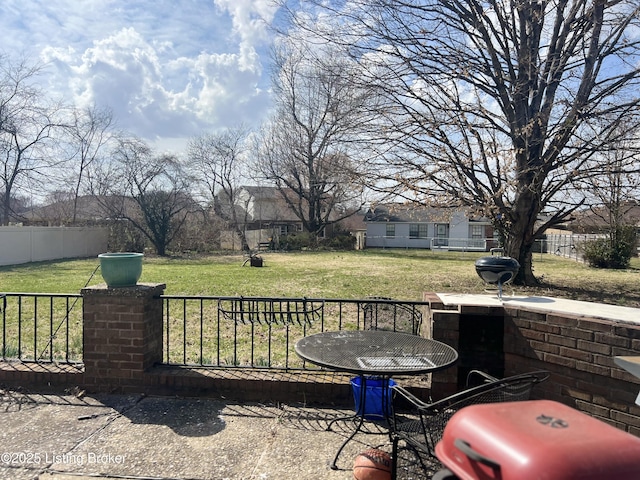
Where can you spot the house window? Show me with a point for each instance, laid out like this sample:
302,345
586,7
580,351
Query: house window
391,230
477,231
442,230
417,230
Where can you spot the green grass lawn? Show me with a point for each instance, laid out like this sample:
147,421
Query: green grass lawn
400,274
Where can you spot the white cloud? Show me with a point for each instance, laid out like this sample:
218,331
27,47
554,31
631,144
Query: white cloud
167,69
250,18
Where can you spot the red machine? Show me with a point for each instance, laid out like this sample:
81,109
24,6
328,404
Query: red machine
535,440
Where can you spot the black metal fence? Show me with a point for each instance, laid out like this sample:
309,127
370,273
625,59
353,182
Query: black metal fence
41,327
229,332
260,332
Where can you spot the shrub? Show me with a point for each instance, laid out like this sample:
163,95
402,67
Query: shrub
341,241
304,241
124,237
298,241
614,252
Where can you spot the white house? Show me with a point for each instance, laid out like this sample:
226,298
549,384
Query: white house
266,209
401,226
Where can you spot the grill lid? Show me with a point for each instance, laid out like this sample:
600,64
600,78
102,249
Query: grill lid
535,440
497,270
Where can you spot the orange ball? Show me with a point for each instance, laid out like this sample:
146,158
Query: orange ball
372,464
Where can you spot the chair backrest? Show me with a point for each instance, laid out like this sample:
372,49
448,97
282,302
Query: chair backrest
384,314
509,389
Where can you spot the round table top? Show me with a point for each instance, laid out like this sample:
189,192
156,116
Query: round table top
376,352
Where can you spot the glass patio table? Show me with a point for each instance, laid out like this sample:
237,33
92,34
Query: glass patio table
374,353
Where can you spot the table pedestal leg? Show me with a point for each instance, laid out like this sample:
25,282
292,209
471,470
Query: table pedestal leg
334,464
361,413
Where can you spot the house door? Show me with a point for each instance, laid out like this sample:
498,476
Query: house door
442,235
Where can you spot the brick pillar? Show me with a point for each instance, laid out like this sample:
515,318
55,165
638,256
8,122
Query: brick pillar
122,335
446,328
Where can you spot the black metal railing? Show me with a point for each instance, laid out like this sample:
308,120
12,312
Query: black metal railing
41,327
214,331
260,332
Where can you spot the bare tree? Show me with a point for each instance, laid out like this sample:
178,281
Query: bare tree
148,190
221,165
612,195
89,133
305,148
26,133
498,106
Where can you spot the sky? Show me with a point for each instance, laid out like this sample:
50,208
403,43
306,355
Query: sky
169,69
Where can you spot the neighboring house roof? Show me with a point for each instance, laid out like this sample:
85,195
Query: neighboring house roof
262,193
88,209
401,213
596,219
353,223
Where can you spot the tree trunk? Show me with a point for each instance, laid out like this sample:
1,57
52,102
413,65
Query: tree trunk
6,208
519,237
160,249
523,254
243,238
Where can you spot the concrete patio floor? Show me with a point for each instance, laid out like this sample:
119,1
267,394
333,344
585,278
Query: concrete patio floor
72,437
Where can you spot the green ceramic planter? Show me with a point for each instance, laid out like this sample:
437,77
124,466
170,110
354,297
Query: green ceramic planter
121,269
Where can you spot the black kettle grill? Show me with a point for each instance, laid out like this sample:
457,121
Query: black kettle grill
497,270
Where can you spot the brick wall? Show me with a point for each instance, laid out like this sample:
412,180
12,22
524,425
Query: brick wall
577,350
580,354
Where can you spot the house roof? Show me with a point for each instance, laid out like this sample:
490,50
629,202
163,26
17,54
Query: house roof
596,218
402,213
262,192
354,223
89,208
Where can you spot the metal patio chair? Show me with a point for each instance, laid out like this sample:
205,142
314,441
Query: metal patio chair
421,428
384,314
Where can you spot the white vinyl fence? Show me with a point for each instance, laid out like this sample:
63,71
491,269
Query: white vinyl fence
36,244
